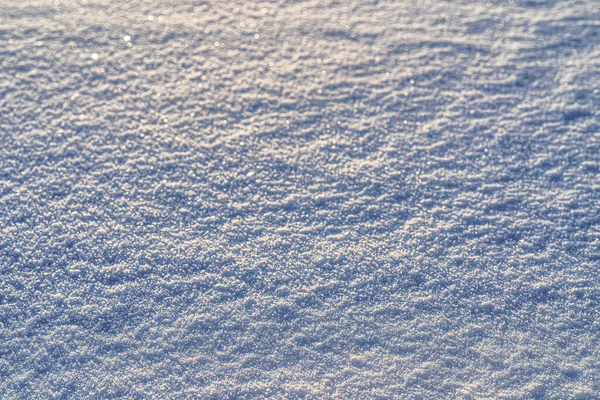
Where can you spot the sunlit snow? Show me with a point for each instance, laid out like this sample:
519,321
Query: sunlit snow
299,199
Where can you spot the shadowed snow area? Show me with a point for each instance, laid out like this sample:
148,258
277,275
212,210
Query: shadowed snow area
299,199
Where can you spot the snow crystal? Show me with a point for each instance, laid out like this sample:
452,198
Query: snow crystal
299,199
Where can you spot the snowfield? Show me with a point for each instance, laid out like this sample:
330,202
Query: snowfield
289,199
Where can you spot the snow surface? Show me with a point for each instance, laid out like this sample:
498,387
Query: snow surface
299,199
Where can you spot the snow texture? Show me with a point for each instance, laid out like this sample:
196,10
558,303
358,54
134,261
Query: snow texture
299,199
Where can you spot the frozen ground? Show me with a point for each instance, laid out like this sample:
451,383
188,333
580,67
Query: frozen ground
299,199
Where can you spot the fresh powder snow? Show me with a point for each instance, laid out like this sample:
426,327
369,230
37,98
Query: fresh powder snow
288,199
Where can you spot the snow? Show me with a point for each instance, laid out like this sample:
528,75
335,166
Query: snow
299,199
